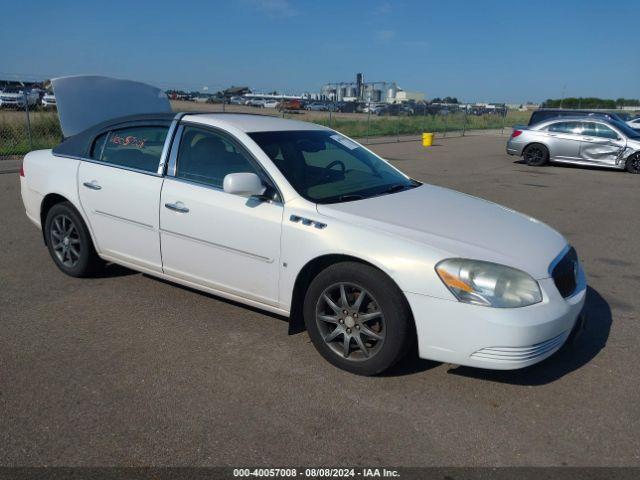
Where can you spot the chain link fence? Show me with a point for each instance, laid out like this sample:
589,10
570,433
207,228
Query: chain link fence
395,123
27,125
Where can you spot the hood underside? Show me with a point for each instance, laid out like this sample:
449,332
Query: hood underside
458,225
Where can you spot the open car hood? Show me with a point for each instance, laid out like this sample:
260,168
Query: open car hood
86,100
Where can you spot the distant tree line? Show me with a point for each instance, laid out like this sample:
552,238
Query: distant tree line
445,100
590,102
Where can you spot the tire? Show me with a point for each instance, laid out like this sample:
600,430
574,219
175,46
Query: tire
536,155
380,321
69,242
633,163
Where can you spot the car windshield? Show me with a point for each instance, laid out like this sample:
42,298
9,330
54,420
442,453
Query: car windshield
626,129
326,167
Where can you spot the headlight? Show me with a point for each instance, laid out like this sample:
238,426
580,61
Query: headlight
488,284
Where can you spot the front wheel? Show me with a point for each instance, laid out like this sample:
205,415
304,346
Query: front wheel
69,242
357,318
633,163
536,155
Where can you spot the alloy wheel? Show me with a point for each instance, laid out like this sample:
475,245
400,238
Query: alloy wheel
534,155
65,240
350,321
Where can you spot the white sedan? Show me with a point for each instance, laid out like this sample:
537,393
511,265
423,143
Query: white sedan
297,219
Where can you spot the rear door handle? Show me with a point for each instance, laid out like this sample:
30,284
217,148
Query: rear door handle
177,207
587,138
93,185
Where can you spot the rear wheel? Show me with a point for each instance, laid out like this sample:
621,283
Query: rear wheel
357,318
536,155
69,242
633,163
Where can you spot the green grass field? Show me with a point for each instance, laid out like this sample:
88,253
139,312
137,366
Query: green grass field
45,129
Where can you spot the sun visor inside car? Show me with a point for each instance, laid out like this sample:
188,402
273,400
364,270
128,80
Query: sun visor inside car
84,101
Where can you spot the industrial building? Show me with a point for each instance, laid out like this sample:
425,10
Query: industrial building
369,92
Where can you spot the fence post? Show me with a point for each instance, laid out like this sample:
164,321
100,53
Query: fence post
398,129
368,122
504,116
26,111
329,117
424,116
464,123
446,122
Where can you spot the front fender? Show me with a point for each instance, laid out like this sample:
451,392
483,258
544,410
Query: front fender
409,264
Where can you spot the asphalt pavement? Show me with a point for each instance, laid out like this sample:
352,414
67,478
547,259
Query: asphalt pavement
130,370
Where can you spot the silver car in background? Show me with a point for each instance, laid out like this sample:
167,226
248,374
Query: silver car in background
578,140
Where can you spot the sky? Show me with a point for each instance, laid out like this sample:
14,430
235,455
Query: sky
502,51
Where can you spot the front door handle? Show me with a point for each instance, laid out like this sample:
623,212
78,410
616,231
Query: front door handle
93,185
588,139
177,207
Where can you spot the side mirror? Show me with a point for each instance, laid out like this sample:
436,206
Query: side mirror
244,184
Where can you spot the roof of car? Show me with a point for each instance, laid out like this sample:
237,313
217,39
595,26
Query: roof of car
584,118
248,122
79,145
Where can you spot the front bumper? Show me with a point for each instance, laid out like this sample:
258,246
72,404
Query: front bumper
497,338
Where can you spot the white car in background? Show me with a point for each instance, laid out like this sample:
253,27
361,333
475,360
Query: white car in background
270,104
48,100
297,219
14,97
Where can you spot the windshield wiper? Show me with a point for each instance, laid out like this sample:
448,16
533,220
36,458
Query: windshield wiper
397,188
349,197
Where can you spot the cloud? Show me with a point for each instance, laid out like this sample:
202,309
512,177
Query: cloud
385,36
273,8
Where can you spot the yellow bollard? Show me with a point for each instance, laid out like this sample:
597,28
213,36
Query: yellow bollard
427,139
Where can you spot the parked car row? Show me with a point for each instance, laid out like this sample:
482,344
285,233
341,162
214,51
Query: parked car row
17,98
380,109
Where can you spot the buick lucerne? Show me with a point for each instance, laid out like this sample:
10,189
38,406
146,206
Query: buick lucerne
297,219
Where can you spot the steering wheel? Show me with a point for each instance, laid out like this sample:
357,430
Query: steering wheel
333,164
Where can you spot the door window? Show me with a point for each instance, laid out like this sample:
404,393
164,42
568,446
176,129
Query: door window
572,128
603,131
589,129
139,148
207,157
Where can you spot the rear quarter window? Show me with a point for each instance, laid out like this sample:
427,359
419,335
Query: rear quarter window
139,148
